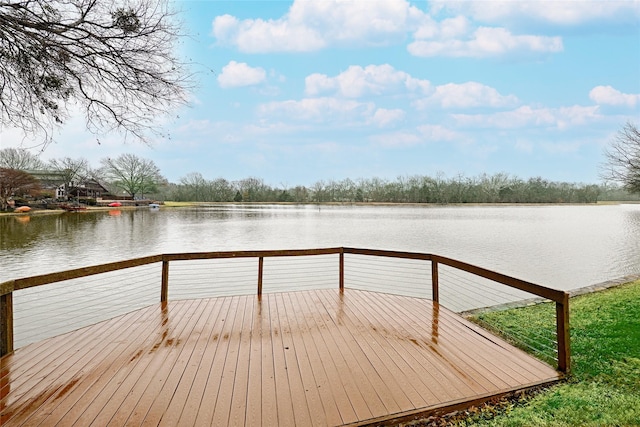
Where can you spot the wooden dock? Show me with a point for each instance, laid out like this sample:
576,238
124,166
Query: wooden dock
321,358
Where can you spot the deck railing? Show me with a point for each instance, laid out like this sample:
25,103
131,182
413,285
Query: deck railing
560,298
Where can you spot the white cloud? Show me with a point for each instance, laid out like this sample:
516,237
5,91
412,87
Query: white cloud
607,95
239,74
563,13
339,111
313,25
438,133
526,117
466,95
486,42
384,117
423,134
357,82
397,140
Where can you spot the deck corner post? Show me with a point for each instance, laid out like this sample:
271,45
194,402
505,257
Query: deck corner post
435,291
6,324
164,290
260,273
342,270
563,334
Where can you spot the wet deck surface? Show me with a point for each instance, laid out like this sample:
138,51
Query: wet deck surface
292,359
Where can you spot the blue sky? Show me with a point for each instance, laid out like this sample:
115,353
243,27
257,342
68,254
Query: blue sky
301,91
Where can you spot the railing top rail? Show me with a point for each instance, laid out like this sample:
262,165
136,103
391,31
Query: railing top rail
539,290
250,254
27,282
385,253
42,279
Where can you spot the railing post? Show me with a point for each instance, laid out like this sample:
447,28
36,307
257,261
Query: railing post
260,271
6,324
341,270
562,332
435,291
164,291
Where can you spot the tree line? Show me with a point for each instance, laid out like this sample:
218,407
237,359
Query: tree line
497,188
141,178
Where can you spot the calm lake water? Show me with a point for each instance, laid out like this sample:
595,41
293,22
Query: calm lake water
564,247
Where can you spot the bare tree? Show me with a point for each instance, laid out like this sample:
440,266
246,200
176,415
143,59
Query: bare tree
71,172
14,182
112,59
623,159
133,175
19,158
196,186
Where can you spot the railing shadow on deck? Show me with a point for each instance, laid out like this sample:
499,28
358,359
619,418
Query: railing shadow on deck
358,269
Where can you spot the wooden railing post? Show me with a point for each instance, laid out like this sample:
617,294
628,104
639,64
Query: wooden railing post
341,270
563,335
260,271
435,291
6,324
164,291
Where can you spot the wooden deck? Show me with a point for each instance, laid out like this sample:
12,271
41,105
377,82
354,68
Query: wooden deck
321,358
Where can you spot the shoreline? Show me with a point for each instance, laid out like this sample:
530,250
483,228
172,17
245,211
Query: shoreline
584,290
171,204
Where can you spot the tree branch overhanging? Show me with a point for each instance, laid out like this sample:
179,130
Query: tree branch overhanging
114,61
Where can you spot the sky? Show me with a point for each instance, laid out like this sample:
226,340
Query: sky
295,92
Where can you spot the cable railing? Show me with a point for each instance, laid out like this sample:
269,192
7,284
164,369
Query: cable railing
46,305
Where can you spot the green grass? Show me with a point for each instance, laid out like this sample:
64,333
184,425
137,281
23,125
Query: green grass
604,386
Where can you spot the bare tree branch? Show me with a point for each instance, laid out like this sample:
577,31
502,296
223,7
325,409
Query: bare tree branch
20,159
623,159
112,59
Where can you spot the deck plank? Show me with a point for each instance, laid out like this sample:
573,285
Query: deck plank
314,352
321,358
268,405
194,407
301,411
97,369
393,381
56,378
351,339
113,390
463,367
282,396
159,395
179,398
426,364
337,383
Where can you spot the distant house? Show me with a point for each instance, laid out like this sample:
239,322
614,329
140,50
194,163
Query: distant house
52,184
89,188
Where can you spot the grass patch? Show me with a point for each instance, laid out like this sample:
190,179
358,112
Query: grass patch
604,386
178,204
